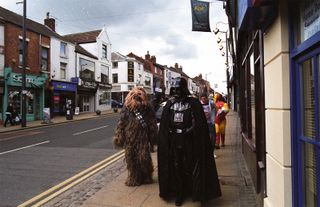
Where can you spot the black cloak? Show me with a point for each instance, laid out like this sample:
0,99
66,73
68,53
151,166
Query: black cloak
204,183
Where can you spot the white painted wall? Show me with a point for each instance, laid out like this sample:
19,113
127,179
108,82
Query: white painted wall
56,59
168,76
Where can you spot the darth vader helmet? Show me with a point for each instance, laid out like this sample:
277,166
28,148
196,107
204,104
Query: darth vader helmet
179,87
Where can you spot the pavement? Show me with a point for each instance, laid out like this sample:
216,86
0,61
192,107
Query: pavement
236,184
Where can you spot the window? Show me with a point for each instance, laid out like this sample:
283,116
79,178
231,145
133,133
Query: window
130,65
104,74
104,51
44,58
63,67
115,65
21,53
115,78
87,69
148,81
104,78
63,49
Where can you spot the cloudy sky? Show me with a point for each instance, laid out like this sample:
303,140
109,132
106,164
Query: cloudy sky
162,27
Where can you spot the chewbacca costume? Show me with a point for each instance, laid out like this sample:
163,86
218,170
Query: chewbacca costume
136,132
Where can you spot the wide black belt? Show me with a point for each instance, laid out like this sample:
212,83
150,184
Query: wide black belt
180,131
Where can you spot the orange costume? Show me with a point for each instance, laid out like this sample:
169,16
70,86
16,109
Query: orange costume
220,120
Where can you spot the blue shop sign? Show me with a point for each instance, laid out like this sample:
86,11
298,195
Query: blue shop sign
62,86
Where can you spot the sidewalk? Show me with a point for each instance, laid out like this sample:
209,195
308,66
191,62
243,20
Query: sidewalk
55,120
236,185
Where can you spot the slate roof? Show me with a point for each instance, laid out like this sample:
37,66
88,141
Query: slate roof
83,51
83,37
14,18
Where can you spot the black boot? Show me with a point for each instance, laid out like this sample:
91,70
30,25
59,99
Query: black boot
179,201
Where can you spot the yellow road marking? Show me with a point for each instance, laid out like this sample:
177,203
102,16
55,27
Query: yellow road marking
67,184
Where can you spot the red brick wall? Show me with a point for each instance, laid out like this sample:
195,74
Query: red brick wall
12,33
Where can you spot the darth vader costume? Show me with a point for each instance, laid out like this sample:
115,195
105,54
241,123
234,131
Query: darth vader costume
186,166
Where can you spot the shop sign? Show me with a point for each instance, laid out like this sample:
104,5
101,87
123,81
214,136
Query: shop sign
61,86
89,84
15,79
310,21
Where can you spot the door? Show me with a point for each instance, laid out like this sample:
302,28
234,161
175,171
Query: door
306,139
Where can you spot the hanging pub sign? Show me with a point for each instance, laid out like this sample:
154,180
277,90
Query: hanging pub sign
200,16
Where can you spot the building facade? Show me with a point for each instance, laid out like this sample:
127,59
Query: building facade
128,72
277,77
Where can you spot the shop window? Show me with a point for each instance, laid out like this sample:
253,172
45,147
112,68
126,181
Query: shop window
309,175
14,98
305,15
44,58
63,67
308,99
21,53
104,97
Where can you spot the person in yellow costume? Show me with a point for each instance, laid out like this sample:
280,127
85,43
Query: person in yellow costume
220,119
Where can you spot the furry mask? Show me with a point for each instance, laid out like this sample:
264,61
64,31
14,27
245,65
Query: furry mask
136,98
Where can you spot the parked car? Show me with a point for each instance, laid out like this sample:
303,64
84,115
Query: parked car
116,105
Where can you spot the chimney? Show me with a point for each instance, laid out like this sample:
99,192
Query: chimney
153,59
176,66
50,22
147,56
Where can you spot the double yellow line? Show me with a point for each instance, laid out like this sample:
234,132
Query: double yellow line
53,192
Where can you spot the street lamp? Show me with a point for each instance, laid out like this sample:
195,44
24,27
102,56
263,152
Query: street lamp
23,85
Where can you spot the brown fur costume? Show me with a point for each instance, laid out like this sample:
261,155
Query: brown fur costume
137,138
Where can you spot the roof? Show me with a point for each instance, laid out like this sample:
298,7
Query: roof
14,18
116,56
83,37
83,51
146,64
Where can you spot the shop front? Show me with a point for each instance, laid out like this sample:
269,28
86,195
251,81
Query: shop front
34,94
86,96
305,92
63,93
104,96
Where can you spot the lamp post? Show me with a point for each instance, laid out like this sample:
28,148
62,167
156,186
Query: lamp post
23,85
216,31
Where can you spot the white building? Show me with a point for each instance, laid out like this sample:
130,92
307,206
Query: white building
93,63
169,75
128,72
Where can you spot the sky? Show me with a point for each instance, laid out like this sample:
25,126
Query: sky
162,27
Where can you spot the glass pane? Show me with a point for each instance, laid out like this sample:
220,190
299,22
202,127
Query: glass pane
308,102
253,104
309,175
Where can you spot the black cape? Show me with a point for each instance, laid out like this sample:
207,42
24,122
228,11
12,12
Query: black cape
204,182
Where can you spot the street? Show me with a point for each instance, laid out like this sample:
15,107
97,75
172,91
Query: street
32,161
